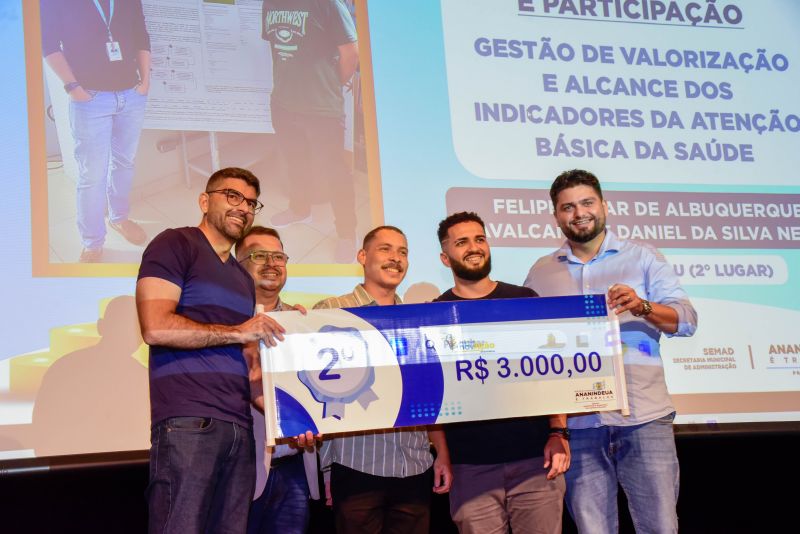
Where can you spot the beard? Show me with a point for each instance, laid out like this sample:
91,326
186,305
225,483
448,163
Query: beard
226,228
584,236
473,274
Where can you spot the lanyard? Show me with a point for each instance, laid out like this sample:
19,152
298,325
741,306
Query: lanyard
107,21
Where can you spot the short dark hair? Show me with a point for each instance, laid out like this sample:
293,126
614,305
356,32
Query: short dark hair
574,178
234,172
457,218
256,230
372,233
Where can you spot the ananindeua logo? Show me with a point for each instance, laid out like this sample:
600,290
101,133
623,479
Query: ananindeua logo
599,392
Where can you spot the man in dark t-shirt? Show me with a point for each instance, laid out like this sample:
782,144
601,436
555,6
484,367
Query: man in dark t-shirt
100,50
195,305
515,481
314,54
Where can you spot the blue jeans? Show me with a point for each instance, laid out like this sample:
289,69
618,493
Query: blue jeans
106,131
641,459
283,507
202,476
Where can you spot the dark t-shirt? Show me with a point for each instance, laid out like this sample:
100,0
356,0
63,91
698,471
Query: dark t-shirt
208,382
76,28
502,440
305,36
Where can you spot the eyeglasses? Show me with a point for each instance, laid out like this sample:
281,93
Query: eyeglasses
235,198
260,257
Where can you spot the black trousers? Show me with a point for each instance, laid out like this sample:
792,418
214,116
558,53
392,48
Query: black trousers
368,504
314,151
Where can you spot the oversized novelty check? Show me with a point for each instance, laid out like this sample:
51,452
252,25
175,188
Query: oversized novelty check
380,367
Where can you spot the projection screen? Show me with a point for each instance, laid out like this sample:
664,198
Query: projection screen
686,111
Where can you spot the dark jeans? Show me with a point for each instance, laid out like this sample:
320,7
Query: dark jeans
202,476
283,506
368,504
314,151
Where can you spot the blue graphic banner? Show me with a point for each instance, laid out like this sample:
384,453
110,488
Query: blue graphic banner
380,367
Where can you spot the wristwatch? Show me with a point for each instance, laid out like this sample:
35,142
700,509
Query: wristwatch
71,86
647,309
560,430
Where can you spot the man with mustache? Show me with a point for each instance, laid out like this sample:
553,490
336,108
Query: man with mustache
381,482
195,305
282,505
609,449
506,483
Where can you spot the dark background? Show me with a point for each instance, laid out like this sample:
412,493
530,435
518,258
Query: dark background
741,482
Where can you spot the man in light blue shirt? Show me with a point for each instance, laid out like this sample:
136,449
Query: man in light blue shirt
609,449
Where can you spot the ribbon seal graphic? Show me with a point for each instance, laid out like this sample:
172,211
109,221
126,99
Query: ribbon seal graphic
346,375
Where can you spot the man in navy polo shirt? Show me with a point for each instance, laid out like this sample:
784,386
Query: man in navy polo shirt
195,305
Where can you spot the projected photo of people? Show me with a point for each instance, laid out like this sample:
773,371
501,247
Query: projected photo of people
100,53
143,99
314,56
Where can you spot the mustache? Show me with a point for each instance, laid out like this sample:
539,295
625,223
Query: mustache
474,253
392,264
238,215
236,210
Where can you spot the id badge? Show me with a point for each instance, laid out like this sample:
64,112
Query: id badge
113,50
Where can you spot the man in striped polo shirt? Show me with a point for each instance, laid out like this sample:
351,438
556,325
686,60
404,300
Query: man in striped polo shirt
382,480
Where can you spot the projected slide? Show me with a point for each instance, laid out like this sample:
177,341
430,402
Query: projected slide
686,111
535,85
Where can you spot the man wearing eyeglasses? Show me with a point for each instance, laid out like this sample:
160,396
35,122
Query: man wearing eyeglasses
281,503
195,305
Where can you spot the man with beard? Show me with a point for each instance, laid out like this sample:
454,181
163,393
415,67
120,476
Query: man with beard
195,305
380,482
281,503
609,449
508,482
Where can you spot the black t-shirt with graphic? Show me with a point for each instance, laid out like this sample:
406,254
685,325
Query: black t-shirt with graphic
305,36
